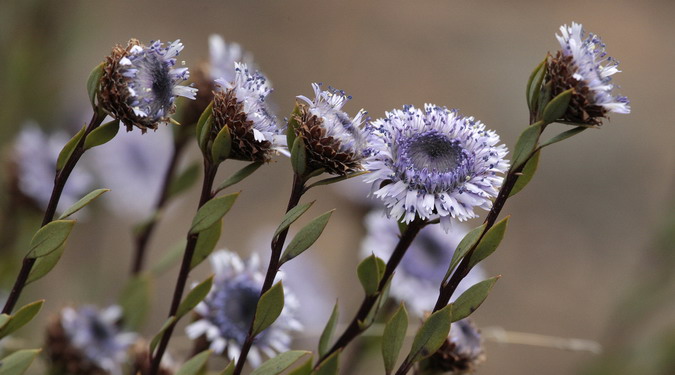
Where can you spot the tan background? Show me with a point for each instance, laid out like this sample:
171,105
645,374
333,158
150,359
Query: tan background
577,232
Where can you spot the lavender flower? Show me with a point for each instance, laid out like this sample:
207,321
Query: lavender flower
35,154
334,141
434,163
240,105
226,313
583,64
461,353
88,341
424,265
140,84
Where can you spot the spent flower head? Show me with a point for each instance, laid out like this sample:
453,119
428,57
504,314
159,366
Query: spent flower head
432,162
226,313
583,65
140,83
240,106
424,264
87,340
334,141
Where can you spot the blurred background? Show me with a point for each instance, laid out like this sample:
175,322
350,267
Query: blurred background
589,251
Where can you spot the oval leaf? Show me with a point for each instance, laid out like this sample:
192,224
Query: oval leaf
526,144
305,368
432,334
21,318
18,362
526,175
470,300
564,135
369,275
292,215
534,85
45,264
299,156
205,134
229,370
155,340
103,134
239,175
489,243
211,212
332,180
135,301
222,145
293,125
269,308
557,107
206,243
195,365
68,149
330,365
467,243
171,257
392,339
202,124
196,295
306,237
93,83
50,237
184,180
328,331
83,202
279,363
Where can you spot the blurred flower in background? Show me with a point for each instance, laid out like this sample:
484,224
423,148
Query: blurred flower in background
460,354
223,57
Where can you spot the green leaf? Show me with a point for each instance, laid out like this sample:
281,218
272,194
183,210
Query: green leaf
269,308
45,264
102,135
292,215
222,145
432,334
544,98
279,363
155,340
239,175
50,237
184,180
293,125
489,243
306,237
526,175
392,339
332,180
93,83
211,212
526,144
305,368
21,318
369,274
328,331
379,303
557,107
201,132
196,295
205,135
229,370
330,365
18,362
69,148
83,202
564,135
534,85
135,301
467,243
206,243
195,365
470,300
4,319
299,156
169,258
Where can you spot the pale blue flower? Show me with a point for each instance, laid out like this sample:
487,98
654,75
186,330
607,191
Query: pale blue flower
432,162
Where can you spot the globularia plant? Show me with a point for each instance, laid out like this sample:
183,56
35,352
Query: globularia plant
429,167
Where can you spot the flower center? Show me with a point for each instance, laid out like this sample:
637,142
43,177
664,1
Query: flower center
234,307
433,151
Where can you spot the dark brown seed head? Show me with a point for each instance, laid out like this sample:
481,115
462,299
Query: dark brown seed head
63,355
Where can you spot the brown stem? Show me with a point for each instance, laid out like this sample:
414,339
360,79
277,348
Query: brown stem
273,267
143,237
59,183
206,195
353,330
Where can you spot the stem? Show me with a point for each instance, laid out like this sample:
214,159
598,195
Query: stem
353,330
143,238
273,267
59,183
206,195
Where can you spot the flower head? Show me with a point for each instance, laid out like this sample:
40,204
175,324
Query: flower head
140,83
434,162
423,266
34,159
226,313
334,140
240,105
461,352
88,341
583,64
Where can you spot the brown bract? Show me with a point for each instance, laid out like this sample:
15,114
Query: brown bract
229,112
581,108
65,356
323,151
449,358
